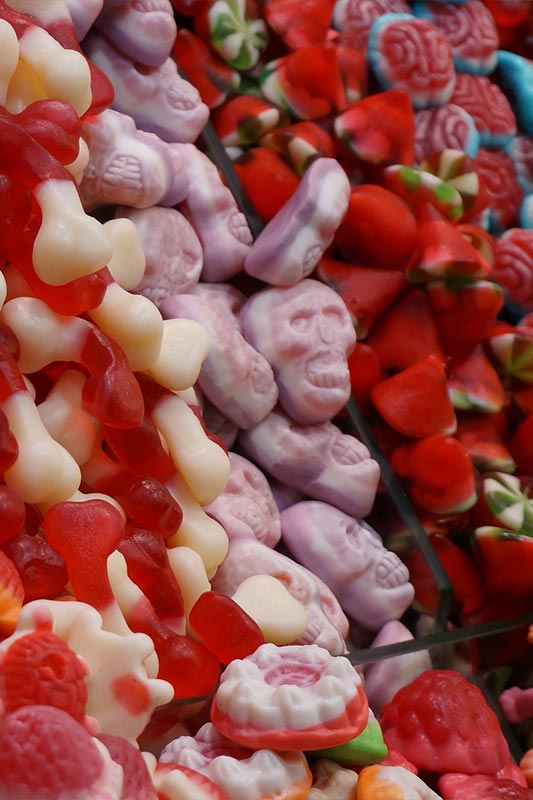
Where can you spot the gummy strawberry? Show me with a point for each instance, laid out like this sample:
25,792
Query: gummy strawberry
407,333
481,439
300,143
474,384
213,79
260,168
415,401
243,119
442,723
299,23
365,372
505,558
438,474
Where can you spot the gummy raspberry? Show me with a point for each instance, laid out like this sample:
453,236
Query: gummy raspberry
441,723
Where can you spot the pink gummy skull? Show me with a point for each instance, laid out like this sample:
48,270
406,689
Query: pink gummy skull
327,625
369,581
306,334
144,30
246,507
319,460
172,250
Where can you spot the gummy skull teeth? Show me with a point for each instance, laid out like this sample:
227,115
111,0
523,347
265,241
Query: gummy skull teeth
296,697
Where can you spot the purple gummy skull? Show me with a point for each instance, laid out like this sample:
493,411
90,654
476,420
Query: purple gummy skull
171,248
383,678
234,376
158,98
130,167
246,507
369,581
83,14
327,625
215,216
305,332
144,30
318,460
226,298
293,242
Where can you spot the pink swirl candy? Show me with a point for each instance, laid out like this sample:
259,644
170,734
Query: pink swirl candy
513,267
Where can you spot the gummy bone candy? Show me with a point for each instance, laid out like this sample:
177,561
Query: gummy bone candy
290,698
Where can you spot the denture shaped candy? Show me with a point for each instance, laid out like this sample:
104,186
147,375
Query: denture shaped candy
172,250
327,625
144,31
306,334
128,166
392,782
215,216
46,753
409,53
471,31
175,782
369,581
246,506
291,245
318,460
290,698
234,375
158,99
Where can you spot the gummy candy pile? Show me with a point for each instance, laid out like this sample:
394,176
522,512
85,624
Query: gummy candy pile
184,534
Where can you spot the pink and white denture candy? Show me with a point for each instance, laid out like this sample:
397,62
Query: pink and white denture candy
291,245
234,376
290,698
241,773
318,460
369,581
305,332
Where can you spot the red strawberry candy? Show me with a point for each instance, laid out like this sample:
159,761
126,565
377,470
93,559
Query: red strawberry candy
214,79
407,333
442,723
365,372
46,755
484,444
465,315
438,473
379,129
513,267
474,384
267,179
299,22
471,31
415,401
409,53
481,787
243,119
379,229
488,107
300,144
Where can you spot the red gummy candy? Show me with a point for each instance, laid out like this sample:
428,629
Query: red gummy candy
471,31
224,627
41,669
441,723
299,22
140,450
149,504
42,570
481,787
45,753
213,79
262,168
513,266
486,104
55,126
12,514
137,779
188,665
498,173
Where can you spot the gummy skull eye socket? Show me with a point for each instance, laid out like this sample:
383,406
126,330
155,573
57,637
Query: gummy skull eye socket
301,321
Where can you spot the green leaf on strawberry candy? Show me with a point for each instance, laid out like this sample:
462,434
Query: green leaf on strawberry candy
367,748
415,401
474,384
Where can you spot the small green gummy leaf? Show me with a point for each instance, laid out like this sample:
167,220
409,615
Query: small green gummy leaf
365,749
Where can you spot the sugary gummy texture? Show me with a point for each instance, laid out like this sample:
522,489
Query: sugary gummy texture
138,784
40,669
441,723
43,752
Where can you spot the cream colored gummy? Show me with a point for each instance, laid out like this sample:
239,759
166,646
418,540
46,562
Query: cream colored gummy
128,262
135,324
69,243
43,335
9,58
175,785
78,166
3,289
397,782
332,782
44,471
198,531
108,655
185,345
189,571
65,417
280,616
203,464
64,74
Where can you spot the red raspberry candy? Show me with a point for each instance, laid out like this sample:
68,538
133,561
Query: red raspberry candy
513,267
441,722
41,669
